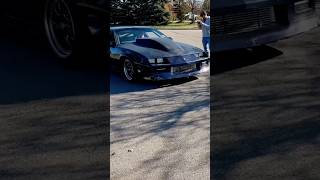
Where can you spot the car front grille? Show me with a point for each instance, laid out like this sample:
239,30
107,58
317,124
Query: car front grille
243,21
163,69
185,68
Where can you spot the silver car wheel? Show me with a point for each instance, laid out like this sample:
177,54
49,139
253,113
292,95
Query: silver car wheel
128,70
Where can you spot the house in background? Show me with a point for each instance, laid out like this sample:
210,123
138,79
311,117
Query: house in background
173,7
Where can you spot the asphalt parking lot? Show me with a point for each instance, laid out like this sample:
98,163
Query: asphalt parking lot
161,130
266,111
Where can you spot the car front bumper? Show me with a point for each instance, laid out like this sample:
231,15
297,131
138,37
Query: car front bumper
270,27
203,65
257,38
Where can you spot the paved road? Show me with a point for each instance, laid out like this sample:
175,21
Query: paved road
266,111
52,117
166,125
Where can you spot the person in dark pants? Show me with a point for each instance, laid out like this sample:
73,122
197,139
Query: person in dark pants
204,25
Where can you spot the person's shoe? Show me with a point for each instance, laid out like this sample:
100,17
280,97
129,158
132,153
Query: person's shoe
204,54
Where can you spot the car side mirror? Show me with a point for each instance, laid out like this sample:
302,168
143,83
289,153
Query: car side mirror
170,38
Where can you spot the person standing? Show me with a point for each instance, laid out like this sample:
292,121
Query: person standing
204,25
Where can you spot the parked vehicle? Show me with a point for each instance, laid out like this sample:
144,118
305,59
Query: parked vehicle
145,52
67,24
249,23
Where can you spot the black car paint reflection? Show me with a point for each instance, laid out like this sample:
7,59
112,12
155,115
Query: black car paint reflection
154,55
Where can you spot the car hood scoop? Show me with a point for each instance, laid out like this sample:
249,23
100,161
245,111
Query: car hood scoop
161,47
163,44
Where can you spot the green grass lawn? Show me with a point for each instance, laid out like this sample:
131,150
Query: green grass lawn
178,26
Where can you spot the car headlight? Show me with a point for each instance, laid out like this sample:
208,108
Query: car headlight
156,61
152,61
160,60
197,55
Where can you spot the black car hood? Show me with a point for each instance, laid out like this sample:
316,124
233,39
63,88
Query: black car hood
160,47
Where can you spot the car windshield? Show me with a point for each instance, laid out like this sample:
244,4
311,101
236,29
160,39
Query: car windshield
131,34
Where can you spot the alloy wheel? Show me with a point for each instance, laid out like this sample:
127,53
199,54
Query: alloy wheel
128,69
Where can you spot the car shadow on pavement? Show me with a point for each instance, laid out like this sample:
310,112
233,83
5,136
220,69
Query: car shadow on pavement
119,85
230,60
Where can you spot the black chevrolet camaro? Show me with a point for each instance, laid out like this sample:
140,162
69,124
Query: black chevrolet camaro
145,52
69,25
249,23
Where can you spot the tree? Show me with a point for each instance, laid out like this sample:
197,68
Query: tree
138,12
206,5
194,5
183,9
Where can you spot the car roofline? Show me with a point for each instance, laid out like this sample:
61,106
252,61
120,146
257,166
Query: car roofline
130,27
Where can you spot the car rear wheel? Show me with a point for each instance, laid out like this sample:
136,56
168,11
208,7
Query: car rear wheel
129,70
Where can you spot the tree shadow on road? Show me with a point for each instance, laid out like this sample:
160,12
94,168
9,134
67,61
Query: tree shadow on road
178,115
266,119
54,140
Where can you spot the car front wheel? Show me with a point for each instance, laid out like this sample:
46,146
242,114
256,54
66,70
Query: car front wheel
129,70
60,27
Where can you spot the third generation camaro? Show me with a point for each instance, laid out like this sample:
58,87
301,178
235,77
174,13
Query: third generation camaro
145,52
250,23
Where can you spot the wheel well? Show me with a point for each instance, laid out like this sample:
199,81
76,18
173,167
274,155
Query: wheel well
122,58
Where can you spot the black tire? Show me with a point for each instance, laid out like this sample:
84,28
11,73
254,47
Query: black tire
66,30
129,70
